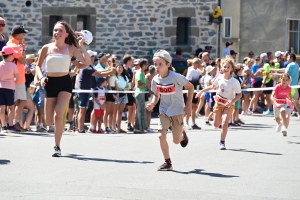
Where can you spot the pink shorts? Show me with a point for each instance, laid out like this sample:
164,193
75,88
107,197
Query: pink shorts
99,113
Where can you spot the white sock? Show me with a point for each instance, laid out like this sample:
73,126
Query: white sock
92,127
40,124
193,123
284,128
15,121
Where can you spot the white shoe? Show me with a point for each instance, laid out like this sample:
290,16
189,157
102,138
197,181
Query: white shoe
278,127
284,132
187,127
150,130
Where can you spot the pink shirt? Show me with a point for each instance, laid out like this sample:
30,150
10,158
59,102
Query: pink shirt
8,70
281,93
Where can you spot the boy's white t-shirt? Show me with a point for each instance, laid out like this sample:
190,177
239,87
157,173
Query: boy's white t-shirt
100,96
227,88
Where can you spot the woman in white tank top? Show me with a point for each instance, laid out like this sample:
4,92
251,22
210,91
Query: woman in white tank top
57,82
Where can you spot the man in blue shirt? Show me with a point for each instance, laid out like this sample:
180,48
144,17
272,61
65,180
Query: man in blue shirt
228,47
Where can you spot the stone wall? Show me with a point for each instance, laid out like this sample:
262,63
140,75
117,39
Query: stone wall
120,26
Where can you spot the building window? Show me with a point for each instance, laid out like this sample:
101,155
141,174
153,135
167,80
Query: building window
82,21
182,31
52,21
293,35
227,27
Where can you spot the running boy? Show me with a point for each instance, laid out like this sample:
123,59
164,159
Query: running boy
281,96
99,100
8,75
167,85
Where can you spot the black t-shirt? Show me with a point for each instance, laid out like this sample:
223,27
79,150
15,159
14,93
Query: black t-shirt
29,77
129,74
85,78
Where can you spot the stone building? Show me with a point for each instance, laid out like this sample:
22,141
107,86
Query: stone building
118,26
261,25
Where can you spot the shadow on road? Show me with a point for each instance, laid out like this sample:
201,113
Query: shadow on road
202,172
290,142
258,152
80,157
4,162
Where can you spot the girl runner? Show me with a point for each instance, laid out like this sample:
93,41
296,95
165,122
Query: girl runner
282,103
229,91
168,84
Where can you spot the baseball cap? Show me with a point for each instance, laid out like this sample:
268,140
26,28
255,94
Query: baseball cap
164,55
136,61
91,53
232,52
100,55
229,43
195,60
18,30
88,37
278,53
209,68
264,56
8,51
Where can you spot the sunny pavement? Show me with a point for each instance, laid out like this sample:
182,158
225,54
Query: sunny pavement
258,164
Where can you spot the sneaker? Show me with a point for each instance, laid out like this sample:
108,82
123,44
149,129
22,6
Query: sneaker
278,127
194,127
85,127
250,111
150,130
236,123
130,128
12,129
19,127
267,112
81,131
284,132
256,112
108,131
71,128
222,146
185,139
51,129
41,129
4,129
208,123
231,124
57,152
165,167
240,121
91,131
187,127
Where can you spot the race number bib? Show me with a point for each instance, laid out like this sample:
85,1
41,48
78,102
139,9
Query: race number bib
280,101
166,89
220,100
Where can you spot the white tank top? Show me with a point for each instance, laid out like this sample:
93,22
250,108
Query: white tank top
58,62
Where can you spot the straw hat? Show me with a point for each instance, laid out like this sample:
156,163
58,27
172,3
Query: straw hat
30,57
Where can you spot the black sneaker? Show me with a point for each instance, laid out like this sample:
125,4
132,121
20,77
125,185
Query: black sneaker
57,152
4,129
208,123
130,128
185,139
196,127
165,167
80,131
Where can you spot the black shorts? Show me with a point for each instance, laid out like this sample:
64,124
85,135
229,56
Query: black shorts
110,97
130,99
257,84
7,97
71,103
55,85
270,84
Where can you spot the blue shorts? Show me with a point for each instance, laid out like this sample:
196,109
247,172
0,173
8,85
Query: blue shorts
207,97
122,100
7,97
83,100
246,92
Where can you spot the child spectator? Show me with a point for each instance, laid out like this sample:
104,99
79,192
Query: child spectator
99,100
8,76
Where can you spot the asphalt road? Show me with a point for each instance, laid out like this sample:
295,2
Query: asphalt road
258,164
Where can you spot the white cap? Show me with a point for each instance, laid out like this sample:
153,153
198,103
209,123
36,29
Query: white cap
164,55
87,36
209,68
136,61
278,53
91,53
264,56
